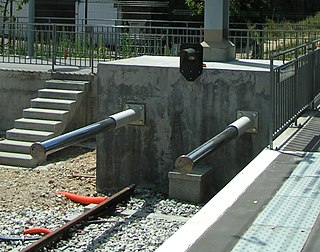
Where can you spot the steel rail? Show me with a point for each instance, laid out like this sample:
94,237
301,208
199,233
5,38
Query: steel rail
58,234
185,163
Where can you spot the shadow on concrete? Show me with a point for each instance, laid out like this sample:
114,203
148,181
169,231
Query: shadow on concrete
307,138
255,64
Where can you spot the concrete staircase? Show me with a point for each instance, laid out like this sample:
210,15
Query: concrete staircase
48,116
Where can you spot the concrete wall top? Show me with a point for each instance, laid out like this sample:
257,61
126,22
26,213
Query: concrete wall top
174,62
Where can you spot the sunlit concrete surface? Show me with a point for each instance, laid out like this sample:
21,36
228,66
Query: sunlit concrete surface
272,205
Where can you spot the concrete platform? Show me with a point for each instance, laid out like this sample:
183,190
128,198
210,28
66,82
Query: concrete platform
272,205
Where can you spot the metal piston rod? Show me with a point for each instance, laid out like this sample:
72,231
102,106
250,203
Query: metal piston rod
185,163
40,150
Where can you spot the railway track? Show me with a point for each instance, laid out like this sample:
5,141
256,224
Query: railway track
107,205
143,223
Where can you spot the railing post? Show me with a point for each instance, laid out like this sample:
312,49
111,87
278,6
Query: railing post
248,44
296,84
31,16
116,42
54,46
262,41
313,74
271,119
167,42
91,48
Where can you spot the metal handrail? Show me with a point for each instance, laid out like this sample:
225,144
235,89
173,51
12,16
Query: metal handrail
185,163
86,45
294,85
40,150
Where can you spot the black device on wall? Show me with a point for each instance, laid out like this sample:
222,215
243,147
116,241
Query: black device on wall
191,61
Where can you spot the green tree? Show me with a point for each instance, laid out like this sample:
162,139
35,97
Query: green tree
196,6
4,5
236,7
261,10
4,8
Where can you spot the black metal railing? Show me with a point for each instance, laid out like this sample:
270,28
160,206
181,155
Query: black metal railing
295,84
77,43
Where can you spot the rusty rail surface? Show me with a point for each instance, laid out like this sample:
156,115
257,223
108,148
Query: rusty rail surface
58,234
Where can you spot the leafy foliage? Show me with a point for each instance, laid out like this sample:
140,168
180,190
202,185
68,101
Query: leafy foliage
21,3
196,6
5,3
260,10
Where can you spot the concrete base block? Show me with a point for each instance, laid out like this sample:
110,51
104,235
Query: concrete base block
195,186
218,51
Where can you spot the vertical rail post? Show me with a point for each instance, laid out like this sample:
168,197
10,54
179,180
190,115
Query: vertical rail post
313,62
296,83
272,117
91,48
54,46
31,16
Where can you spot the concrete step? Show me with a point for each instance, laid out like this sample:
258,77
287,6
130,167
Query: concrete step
52,103
28,135
59,93
18,160
37,124
67,84
49,114
15,146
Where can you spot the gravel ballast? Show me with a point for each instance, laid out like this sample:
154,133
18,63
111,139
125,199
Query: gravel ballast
28,199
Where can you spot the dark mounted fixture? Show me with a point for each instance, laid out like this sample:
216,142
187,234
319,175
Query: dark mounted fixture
191,61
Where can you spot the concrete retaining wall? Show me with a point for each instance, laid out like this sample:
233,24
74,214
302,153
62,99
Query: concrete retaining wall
17,88
181,115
